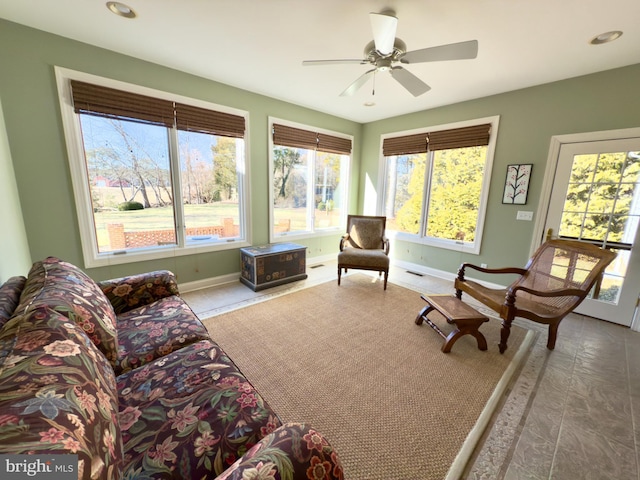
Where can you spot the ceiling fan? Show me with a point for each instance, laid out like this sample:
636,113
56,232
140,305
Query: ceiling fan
385,51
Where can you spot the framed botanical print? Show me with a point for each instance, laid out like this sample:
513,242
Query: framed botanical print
516,186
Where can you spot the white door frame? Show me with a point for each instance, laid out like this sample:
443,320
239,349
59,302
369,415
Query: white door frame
547,184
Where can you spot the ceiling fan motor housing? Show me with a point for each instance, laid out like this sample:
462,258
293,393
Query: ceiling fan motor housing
373,56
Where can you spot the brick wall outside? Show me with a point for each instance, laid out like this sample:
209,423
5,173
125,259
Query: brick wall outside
121,240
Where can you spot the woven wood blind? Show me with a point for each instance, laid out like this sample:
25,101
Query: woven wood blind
331,144
300,138
202,120
406,145
112,103
473,136
109,102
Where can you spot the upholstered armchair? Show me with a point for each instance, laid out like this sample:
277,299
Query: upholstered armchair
364,246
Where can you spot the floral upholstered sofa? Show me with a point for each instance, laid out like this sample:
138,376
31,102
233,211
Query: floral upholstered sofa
122,374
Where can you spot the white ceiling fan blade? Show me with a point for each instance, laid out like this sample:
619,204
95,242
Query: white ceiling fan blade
346,61
408,80
384,28
452,51
355,86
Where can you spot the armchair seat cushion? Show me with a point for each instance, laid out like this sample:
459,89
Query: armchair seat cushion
357,258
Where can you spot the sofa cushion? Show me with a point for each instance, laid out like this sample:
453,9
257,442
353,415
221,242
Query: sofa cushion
133,291
9,297
155,330
66,289
57,394
190,414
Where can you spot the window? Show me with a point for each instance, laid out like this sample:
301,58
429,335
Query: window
436,183
153,176
309,177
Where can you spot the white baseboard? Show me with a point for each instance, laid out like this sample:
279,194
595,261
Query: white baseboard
411,267
434,272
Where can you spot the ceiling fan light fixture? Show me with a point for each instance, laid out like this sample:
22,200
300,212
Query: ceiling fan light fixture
121,9
606,37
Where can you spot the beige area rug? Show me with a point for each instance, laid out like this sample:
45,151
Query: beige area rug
351,362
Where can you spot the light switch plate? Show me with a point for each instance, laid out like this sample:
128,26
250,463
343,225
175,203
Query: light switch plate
523,215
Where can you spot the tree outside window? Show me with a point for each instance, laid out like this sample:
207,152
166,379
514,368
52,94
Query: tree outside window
436,186
152,177
307,183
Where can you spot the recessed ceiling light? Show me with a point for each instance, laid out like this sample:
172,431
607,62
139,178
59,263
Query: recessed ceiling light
369,104
121,9
606,37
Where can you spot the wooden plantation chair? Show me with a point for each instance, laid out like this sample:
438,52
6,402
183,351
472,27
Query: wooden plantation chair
364,246
553,283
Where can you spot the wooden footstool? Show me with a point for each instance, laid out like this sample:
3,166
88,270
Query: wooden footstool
466,319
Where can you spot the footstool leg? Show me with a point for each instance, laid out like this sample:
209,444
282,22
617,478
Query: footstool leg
450,340
423,314
482,342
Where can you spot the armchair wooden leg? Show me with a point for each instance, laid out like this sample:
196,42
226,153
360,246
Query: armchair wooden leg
339,273
386,276
553,333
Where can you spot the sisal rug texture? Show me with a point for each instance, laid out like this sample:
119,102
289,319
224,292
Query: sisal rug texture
351,362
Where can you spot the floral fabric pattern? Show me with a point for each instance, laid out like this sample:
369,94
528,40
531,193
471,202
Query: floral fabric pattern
68,290
9,297
57,394
294,450
130,292
179,407
168,324
190,414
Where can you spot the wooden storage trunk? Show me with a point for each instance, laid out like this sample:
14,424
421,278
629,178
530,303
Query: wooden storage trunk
274,264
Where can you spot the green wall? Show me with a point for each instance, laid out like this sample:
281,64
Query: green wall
528,119
14,248
36,140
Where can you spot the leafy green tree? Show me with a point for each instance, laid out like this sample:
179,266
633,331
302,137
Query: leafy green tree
284,161
408,215
454,196
456,184
225,177
599,196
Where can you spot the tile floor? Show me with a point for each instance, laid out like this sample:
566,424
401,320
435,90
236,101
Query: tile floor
573,413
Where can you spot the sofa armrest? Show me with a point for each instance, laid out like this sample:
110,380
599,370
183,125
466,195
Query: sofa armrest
127,293
294,451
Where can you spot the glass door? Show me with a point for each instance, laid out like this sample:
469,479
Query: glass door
596,199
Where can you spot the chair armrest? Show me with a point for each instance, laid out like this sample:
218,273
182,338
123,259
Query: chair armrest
561,292
343,241
516,270
293,451
385,245
127,293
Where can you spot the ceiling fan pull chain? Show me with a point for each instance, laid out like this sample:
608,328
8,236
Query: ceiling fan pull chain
373,90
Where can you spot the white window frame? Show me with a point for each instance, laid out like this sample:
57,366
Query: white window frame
313,233
421,238
82,193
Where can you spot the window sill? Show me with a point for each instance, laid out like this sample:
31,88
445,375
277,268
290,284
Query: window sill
141,255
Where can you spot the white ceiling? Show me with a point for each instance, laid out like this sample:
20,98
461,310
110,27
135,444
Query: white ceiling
258,45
